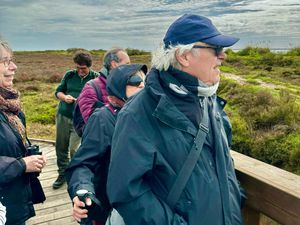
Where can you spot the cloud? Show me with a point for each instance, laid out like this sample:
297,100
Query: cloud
140,24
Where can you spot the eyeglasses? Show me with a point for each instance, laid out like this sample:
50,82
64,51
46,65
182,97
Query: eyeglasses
6,61
134,80
218,49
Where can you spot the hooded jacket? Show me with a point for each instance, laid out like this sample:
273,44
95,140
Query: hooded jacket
151,141
89,167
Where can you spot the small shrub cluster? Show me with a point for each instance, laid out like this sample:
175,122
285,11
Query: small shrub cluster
264,126
132,51
294,52
253,51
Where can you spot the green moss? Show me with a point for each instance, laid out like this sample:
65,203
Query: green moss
228,69
40,106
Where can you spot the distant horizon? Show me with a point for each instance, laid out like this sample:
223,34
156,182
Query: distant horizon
234,49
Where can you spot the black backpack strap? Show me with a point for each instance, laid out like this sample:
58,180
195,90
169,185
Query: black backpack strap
191,160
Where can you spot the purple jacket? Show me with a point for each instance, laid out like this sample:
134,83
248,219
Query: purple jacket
88,97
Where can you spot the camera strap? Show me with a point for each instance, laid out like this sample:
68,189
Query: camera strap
191,160
29,143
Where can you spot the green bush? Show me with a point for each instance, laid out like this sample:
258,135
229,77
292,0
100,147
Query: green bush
272,59
271,150
294,52
132,51
241,139
253,51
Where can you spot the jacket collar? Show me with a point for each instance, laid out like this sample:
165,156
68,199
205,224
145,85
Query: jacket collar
167,113
165,110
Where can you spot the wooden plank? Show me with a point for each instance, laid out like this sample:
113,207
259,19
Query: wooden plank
57,209
49,142
270,190
54,217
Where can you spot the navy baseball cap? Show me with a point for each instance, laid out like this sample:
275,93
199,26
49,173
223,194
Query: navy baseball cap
191,28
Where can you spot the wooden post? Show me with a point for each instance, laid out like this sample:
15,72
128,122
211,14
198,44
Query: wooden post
251,216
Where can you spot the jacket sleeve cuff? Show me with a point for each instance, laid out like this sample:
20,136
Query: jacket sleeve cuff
23,164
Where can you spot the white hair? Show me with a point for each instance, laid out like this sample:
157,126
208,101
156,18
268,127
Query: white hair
163,58
5,46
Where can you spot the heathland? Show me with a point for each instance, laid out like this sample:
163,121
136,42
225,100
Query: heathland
262,90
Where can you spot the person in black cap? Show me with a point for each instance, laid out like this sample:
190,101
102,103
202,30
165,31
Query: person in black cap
171,143
87,170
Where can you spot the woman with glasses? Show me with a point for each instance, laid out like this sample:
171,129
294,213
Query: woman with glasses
15,165
91,161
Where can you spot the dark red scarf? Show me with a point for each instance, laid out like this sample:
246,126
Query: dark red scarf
10,105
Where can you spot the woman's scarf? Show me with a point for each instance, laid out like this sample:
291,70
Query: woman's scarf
10,105
115,102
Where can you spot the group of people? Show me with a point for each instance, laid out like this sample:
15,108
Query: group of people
155,144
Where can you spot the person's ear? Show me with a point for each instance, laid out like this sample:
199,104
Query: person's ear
182,59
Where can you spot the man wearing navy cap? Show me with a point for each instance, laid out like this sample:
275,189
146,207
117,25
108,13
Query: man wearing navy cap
170,161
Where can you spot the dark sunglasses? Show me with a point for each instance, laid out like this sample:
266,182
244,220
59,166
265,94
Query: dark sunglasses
218,49
134,80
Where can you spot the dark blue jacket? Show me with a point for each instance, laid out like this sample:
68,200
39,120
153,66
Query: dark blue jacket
151,142
88,168
15,191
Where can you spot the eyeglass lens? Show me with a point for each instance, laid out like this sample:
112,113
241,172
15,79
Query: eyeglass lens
134,80
218,49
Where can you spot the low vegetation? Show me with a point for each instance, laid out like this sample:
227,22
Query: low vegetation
264,109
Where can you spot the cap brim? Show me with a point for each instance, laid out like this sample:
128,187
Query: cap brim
221,40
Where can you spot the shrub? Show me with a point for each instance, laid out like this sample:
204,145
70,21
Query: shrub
294,52
132,51
241,135
271,150
253,51
54,78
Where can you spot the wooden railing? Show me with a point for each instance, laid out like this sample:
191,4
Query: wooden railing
270,191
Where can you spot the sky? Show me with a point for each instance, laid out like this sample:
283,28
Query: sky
141,24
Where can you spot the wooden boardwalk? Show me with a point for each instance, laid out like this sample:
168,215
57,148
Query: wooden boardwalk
57,208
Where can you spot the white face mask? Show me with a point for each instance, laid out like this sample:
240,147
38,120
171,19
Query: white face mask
207,91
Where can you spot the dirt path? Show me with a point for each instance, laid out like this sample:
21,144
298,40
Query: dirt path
243,81
237,78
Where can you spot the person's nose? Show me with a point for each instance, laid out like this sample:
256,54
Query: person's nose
222,56
12,66
142,85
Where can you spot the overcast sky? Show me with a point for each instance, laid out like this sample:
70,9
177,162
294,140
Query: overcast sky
141,24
